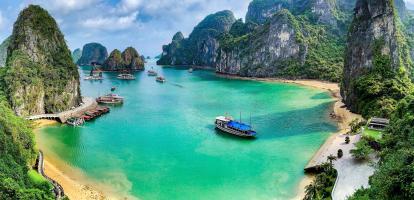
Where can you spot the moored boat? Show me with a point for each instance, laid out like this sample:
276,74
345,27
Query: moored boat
126,77
228,125
152,72
110,99
75,121
113,89
160,79
190,70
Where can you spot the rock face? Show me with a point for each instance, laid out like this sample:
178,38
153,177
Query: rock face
127,60
93,53
40,75
76,55
374,47
266,55
202,45
3,51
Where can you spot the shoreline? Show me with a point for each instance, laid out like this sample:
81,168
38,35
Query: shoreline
74,183
342,116
82,189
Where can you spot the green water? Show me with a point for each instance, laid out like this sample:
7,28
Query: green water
161,144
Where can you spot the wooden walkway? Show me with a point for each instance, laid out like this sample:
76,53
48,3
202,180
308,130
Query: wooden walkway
88,104
57,188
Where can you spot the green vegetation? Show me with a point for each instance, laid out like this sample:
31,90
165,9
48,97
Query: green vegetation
17,152
372,134
321,187
3,51
362,150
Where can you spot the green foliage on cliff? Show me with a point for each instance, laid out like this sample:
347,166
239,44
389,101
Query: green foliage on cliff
40,74
395,175
17,153
3,51
127,60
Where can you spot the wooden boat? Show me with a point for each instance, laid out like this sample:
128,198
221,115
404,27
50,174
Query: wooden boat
110,99
152,72
75,121
228,125
160,79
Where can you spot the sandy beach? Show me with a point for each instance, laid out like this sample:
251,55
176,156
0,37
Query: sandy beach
74,187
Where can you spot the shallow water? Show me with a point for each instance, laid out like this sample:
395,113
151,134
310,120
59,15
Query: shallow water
161,143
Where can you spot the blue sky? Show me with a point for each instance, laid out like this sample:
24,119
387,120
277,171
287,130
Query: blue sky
143,24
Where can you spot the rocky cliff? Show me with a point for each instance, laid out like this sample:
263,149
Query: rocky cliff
377,59
3,51
40,76
127,60
200,48
76,55
93,53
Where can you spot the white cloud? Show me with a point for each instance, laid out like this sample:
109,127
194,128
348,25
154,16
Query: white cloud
112,23
67,5
128,5
1,20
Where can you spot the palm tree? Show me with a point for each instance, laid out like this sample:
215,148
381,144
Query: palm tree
311,192
331,158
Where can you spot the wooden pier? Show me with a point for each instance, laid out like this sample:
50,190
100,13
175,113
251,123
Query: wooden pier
88,104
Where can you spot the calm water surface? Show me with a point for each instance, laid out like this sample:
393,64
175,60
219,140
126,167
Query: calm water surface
161,144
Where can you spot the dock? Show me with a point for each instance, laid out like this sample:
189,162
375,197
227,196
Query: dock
88,104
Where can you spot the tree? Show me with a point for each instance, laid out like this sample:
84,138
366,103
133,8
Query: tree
362,151
331,158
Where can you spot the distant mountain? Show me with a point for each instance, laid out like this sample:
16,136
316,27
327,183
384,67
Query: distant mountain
3,51
76,55
93,53
201,47
127,60
41,76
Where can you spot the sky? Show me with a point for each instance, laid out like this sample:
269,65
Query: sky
143,24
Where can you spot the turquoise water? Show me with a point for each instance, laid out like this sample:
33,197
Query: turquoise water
161,144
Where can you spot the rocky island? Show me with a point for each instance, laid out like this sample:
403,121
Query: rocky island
127,60
93,53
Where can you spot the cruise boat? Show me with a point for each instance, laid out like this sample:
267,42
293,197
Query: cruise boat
160,79
75,121
126,77
110,99
152,72
228,125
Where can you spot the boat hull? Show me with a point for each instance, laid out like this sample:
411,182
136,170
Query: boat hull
233,132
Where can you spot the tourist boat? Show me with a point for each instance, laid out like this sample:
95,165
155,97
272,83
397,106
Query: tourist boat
126,77
228,125
110,99
152,72
94,75
160,79
75,121
113,89
190,70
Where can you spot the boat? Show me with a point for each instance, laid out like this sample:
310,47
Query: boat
160,79
190,70
75,121
228,125
152,72
110,99
94,75
126,77
113,89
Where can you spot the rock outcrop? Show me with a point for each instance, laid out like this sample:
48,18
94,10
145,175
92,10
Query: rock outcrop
127,60
3,51
377,58
40,75
93,53
200,48
76,55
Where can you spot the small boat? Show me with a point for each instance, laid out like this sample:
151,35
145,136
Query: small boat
160,79
152,72
110,99
113,89
228,125
126,77
190,70
94,75
75,121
